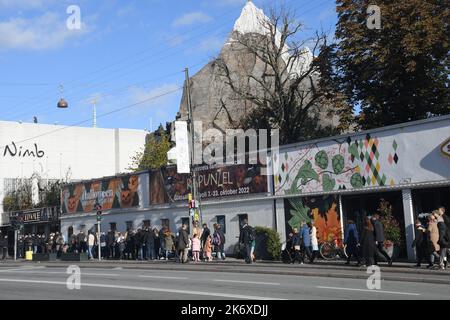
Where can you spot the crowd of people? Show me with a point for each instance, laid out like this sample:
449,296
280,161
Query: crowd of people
432,240
146,243
432,243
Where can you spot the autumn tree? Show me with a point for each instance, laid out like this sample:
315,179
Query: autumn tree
292,91
154,153
399,72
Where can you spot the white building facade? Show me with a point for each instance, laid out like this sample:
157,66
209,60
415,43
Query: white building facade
56,152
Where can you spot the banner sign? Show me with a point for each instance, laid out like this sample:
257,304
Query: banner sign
111,193
166,185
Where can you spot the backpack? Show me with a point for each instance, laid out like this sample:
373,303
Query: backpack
251,234
216,239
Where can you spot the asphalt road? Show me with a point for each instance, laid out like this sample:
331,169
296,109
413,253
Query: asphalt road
43,282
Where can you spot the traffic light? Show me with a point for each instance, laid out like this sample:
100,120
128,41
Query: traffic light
99,212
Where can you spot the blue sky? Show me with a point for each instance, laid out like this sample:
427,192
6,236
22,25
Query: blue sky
125,52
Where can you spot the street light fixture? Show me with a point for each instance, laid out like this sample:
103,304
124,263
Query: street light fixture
62,104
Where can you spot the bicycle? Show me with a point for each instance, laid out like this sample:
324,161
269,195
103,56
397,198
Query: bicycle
332,250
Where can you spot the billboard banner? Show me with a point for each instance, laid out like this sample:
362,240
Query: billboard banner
166,185
110,193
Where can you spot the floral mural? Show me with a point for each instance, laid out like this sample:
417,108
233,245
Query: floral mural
337,165
322,210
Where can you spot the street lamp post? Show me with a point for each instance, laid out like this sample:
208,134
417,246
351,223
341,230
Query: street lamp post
192,156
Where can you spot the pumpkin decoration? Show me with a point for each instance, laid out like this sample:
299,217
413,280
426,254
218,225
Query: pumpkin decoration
72,204
133,183
126,198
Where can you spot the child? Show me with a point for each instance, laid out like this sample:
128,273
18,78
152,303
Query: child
196,248
208,248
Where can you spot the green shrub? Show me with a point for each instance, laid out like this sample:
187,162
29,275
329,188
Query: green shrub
391,226
273,242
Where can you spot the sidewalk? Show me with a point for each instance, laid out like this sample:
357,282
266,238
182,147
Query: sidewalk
400,271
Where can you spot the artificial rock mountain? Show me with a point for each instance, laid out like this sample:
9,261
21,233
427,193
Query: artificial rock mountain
213,101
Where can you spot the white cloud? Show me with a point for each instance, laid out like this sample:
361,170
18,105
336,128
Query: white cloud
191,18
43,32
211,44
139,94
24,4
230,2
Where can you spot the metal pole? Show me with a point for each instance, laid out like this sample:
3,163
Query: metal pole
191,131
15,244
99,243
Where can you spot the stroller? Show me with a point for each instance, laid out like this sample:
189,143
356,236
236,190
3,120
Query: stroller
287,253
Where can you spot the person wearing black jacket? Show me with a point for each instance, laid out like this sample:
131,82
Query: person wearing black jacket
4,245
446,219
246,237
222,241
420,242
150,243
138,243
183,244
443,239
110,240
379,240
296,242
367,241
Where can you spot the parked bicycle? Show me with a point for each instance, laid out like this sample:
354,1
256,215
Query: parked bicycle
332,250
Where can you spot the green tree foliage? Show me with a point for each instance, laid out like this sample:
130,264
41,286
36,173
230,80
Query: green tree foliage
397,73
154,155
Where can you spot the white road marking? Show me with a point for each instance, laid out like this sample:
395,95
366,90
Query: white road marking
187,292
21,269
250,282
373,291
30,271
162,277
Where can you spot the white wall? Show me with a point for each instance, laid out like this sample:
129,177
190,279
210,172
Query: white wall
260,213
85,152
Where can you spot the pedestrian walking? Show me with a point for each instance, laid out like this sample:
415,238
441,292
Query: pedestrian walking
306,242
368,242
443,239
91,243
183,244
314,240
196,248
4,245
222,240
379,240
296,246
121,242
217,242
351,241
420,243
433,240
205,234
207,248
246,237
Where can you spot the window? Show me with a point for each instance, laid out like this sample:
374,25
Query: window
113,226
221,221
165,223
185,221
129,225
242,217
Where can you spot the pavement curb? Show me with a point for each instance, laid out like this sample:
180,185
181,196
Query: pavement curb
256,269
